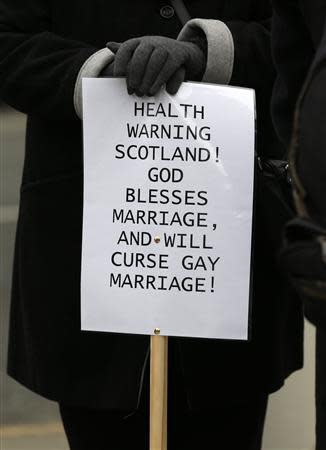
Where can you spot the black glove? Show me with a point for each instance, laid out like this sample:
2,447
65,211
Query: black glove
150,62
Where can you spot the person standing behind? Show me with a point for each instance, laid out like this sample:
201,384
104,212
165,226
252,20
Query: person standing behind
218,390
299,110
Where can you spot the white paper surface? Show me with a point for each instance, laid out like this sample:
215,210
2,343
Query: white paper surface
200,287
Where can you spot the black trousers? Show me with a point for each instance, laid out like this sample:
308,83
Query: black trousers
229,426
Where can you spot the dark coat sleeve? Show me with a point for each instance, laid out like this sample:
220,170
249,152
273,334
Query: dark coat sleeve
304,254
254,68
38,68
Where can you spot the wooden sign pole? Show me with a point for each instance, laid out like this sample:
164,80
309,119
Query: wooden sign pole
158,392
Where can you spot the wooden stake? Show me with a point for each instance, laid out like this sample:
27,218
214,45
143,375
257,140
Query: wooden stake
158,392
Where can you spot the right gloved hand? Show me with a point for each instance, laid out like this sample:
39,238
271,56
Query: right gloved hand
150,62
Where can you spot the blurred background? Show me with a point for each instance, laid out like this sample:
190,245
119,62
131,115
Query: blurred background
29,422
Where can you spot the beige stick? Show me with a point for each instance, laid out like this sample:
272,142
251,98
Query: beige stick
158,393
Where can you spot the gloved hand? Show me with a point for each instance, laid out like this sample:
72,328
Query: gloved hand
150,62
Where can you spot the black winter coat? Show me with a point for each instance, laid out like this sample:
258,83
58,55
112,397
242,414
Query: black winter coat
299,46
297,33
43,44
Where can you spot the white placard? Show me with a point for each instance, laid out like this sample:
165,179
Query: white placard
168,206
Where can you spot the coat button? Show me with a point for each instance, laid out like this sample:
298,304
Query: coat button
167,12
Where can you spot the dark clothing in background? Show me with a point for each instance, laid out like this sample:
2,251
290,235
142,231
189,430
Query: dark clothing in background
299,46
43,44
293,53
297,32
213,429
313,12
299,40
311,130
321,389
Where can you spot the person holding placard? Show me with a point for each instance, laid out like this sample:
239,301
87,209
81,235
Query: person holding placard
218,390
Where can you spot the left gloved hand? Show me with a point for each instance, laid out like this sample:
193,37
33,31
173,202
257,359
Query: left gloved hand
150,62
